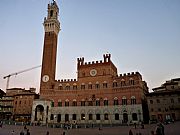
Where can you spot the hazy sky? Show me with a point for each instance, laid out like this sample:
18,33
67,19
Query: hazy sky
141,35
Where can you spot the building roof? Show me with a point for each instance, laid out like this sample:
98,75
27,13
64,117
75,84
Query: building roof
163,92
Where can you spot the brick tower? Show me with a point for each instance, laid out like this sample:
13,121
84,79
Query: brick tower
52,28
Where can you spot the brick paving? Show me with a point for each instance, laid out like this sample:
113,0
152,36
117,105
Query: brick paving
170,129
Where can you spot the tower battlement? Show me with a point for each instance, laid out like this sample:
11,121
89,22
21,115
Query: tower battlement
66,80
129,74
107,59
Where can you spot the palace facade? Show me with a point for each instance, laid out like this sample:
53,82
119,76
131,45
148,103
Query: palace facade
99,95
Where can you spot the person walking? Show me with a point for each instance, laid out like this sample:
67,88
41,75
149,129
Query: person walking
28,132
159,129
130,132
22,132
12,133
47,133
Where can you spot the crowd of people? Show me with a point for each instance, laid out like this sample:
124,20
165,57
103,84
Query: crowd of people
159,129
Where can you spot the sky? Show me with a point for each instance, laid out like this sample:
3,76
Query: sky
140,35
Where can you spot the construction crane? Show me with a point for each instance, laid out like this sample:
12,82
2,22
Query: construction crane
8,76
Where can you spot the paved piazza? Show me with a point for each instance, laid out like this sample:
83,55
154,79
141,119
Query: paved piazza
170,129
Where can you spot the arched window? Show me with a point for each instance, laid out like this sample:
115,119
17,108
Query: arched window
90,85
104,84
105,102
59,103
131,81
116,101
97,102
52,103
133,100
60,87
67,86
51,13
124,100
97,86
74,86
83,102
82,86
123,83
74,103
115,83
67,102
90,103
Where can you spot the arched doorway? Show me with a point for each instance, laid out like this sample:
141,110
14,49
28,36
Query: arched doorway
39,113
125,117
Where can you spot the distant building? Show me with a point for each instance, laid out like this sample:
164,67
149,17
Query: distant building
2,93
16,104
164,101
98,96
22,105
6,107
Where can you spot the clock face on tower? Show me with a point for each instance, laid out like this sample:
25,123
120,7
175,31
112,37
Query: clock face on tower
45,78
93,72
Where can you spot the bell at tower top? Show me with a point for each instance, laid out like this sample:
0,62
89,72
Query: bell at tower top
51,22
53,10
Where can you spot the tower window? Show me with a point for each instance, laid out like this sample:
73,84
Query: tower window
51,13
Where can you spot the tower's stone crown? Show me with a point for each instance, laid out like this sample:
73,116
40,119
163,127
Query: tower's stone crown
51,23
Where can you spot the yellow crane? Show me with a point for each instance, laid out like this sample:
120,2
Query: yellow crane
12,74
